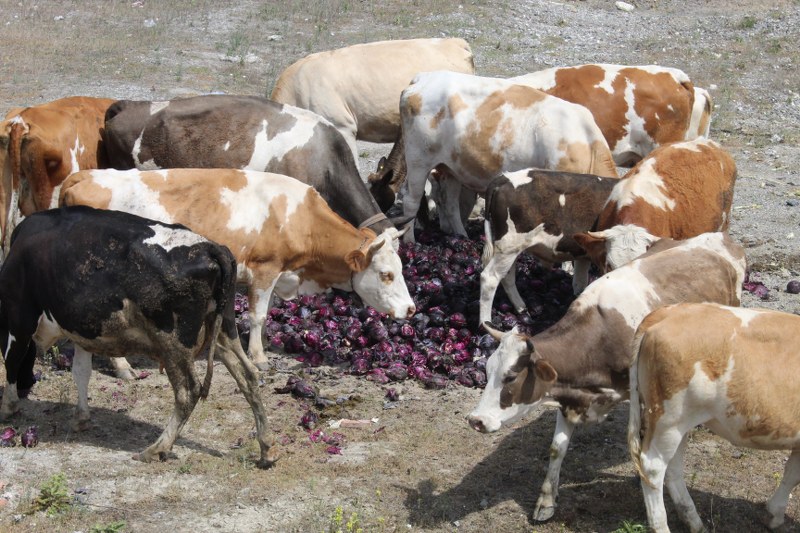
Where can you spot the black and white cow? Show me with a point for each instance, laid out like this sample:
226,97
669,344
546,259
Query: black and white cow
537,211
116,284
244,132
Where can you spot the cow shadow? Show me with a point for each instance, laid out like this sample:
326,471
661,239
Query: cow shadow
590,498
110,429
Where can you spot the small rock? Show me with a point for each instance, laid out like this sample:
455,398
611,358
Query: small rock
624,6
484,503
149,23
58,17
792,202
274,37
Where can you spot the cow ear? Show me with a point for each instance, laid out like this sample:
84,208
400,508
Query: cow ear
545,371
356,260
381,164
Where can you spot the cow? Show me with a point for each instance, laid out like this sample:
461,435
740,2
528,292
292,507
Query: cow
730,369
470,129
581,362
43,145
116,284
638,108
245,132
537,211
679,191
284,236
357,87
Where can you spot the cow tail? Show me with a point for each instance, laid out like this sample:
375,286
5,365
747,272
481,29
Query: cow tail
18,130
223,316
488,209
635,418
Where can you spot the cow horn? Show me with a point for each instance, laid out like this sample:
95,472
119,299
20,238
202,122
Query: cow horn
596,234
496,333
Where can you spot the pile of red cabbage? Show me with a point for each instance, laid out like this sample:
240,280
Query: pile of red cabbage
440,342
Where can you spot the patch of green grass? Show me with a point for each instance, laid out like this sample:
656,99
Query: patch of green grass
54,497
747,23
114,527
630,527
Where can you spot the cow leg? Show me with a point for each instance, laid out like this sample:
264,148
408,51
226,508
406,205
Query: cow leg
81,373
495,270
580,274
791,477
122,368
545,505
676,485
416,178
467,199
655,459
260,302
510,286
19,353
179,366
450,206
245,375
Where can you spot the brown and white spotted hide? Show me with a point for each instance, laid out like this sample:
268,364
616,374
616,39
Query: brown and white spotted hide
638,108
731,369
477,128
284,236
581,362
357,87
678,191
537,211
244,132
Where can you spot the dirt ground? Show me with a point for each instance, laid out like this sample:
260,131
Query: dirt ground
414,465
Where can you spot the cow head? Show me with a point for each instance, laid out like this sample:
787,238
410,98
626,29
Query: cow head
517,380
383,186
377,276
610,249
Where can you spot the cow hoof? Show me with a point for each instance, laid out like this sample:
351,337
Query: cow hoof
23,393
543,514
263,366
125,374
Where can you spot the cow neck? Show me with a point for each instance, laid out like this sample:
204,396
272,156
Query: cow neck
330,248
588,352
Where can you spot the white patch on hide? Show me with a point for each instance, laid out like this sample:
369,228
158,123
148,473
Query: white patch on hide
137,148
155,107
130,194
519,178
249,206
169,238
266,150
645,184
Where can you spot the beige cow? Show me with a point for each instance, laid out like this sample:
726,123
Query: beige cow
357,88
733,370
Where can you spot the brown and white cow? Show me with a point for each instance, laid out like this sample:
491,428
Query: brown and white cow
733,370
638,108
247,132
285,238
357,87
43,145
582,361
537,211
472,128
680,190
48,142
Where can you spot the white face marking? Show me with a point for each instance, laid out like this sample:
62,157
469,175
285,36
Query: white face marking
169,238
249,206
264,150
624,243
644,183
393,297
131,195
155,107
488,410
562,200
137,147
519,178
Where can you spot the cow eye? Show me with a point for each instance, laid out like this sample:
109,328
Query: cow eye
387,277
510,377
